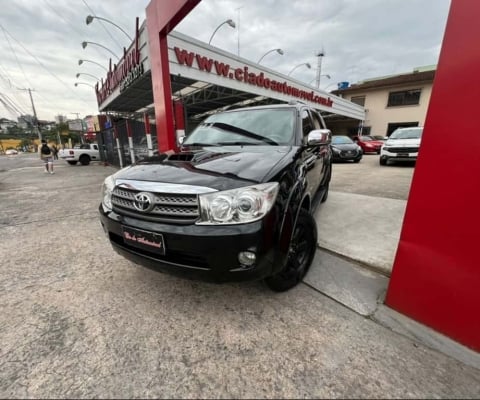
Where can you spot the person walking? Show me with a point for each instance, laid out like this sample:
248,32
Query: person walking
55,152
46,154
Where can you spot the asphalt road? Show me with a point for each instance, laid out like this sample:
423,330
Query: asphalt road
79,321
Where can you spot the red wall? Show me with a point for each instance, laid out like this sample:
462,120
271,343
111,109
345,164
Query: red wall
436,274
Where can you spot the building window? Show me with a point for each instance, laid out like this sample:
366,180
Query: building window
404,98
360,100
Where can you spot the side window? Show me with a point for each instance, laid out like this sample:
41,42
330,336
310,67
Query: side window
95,147
317,120
307,124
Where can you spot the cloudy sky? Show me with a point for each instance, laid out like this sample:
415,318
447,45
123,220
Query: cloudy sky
40,42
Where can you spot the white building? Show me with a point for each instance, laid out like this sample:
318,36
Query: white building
390,102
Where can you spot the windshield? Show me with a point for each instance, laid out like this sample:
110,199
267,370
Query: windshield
341,140
245,127
407,133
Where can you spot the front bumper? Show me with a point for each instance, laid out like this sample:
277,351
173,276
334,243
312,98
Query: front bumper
399,154
202,252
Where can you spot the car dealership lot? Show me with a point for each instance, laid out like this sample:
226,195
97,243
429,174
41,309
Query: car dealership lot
371,179
79,321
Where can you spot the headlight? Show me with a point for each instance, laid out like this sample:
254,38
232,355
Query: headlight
107,189
237,206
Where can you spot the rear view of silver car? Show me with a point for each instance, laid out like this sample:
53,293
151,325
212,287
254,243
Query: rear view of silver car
402,145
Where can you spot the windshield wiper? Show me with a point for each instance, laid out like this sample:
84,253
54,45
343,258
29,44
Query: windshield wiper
243,132
237,144
198,144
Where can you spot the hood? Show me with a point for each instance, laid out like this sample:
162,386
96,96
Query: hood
402,142
220,168
345,146
374,143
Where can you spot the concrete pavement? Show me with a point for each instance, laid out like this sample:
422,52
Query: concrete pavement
362,228
364,231
83,322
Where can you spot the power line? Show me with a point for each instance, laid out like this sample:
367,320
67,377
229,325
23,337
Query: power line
11,84
69,23
104,27
41,64
15,54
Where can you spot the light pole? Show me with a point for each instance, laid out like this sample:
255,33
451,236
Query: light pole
84,83
80,62
228,22
84,73
299,65
326,75
279,51
90,18
84,44
320,56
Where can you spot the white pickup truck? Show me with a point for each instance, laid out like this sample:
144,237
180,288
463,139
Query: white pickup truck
84,153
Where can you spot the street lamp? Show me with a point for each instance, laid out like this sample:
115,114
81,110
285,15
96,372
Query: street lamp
279,51
84,44
84,83
80,62
228,22
91,17
299,65
84,73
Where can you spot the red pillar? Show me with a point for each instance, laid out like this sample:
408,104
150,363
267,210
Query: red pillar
179,114
162,17
436,273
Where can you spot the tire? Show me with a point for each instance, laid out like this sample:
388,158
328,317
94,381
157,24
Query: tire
302,250
72,162
383,160
357,160
84,159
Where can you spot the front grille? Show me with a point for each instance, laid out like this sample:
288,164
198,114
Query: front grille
168,207
348,153
402,149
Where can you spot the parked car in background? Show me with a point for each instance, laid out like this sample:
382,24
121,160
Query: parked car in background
84,153
11,152
345,149
368,144
378,137
402,145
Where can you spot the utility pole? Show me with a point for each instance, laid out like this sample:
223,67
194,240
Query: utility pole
34,114
238,31
320,55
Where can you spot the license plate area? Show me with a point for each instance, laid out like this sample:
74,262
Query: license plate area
150,241
403,155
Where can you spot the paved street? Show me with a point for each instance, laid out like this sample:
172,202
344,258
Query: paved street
78,320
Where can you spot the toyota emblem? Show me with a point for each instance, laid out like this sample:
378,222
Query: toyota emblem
143,202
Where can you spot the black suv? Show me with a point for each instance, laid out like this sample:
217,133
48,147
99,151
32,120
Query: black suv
235,203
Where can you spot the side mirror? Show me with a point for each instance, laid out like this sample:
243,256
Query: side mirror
319,137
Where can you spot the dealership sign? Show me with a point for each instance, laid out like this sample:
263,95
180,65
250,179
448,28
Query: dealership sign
123,74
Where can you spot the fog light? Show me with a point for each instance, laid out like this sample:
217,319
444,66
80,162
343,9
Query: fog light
247,258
